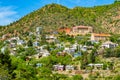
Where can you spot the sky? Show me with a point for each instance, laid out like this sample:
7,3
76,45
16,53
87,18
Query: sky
12,10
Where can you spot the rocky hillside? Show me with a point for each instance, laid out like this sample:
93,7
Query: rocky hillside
102,18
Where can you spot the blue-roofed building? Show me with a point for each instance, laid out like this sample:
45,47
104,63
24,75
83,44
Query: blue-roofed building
69,67
39,65
77,54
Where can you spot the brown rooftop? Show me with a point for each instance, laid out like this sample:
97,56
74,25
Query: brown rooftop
101,35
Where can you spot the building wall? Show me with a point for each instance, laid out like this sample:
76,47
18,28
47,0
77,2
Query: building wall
81,30
98,37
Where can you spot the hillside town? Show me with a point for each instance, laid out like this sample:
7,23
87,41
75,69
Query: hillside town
69,51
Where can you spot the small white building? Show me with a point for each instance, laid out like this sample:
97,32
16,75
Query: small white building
44,53
69,67
58,67
20,42
66,50
74,46
50,38
109,44
37,56
96,66
84,48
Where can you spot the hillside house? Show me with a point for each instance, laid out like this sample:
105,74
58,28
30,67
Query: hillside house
39,65
44,53
99,37
77,54
59,45
81,30
61,53
96,66
71,50
20,42
69,67
38,30
109,44
41,53
74,46
66,50
58,67
84,48
37,56
50,38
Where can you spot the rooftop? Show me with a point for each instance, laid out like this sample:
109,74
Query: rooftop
101,35
82,27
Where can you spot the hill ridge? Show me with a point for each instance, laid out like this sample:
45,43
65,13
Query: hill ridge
102,18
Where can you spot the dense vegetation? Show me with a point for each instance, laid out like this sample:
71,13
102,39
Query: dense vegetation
101,18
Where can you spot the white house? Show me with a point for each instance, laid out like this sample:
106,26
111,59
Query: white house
109,44
45,53
20,42
69,67
74,46
58,67
96,66
84,48
37,56
50,38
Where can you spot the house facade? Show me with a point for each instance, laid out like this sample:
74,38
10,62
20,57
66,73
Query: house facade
96,66
99,37
81,30
50,38
69,67
58,67
109,44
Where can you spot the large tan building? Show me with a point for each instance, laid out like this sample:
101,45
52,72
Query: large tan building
81,30
99,37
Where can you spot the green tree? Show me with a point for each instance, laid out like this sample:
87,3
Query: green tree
5,63
24,70
30,43
4,74
84,60
77,77
117,77
91,56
